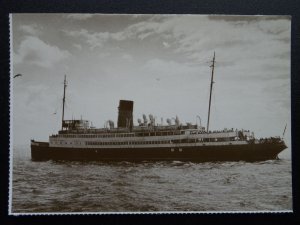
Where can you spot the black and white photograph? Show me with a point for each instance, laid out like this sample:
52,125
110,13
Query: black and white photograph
150,113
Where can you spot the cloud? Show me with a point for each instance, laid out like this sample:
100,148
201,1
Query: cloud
140,30
247,18
170,70
255,45
170,63
79,16
93,39
127,57
192,35
34,51
277,28
79,47
97,39
252,48
30,29
166,44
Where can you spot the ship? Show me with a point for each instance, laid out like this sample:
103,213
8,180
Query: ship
78,140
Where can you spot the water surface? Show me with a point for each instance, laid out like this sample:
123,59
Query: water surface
145,187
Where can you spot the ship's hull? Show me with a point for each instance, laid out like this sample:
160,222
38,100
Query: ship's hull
245,152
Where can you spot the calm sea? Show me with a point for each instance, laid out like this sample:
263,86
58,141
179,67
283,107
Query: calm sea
143,187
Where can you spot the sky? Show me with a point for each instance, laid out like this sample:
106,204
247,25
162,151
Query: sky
161,62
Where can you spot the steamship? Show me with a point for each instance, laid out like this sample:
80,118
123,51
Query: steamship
150,141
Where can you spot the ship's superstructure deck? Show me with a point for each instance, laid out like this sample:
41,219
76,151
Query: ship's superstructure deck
145,136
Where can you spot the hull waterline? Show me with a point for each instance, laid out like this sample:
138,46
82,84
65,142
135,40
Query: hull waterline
248,152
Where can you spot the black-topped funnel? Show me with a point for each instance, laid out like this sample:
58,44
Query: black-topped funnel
125,118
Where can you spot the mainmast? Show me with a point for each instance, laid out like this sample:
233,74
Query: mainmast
211,86
64,99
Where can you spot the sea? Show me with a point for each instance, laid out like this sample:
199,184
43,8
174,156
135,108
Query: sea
97,187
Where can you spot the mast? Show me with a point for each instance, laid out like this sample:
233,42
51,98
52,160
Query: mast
64,99
211,86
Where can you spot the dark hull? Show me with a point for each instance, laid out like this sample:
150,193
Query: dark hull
249,152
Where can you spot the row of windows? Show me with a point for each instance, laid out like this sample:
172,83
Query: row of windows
143,134
159,133
147,142
92,135
65,142
127,143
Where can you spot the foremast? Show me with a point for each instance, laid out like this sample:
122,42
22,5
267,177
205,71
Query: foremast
211,86
64,100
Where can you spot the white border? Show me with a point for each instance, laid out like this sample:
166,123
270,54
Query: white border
10,115
100,213
153,213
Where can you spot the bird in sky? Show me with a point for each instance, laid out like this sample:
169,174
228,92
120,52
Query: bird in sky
17,75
